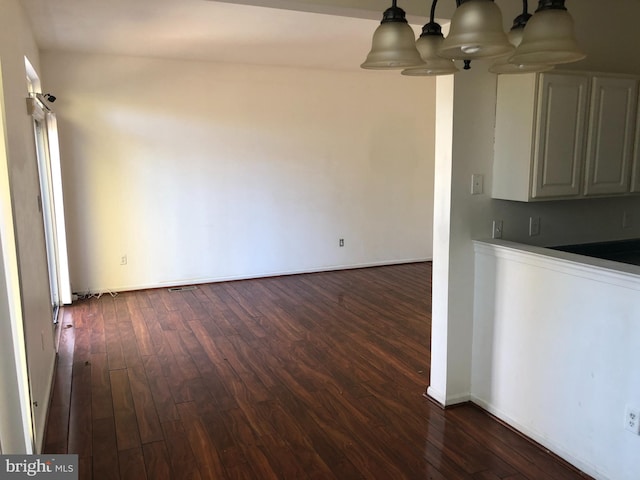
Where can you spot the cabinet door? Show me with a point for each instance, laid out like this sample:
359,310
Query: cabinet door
514,137
560,139
610,138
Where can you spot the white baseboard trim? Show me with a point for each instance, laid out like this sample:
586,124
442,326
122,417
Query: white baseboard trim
40,435
445,401
437,396
459,398
229,278
586,467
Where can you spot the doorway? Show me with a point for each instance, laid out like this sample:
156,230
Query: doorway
47,208
50,199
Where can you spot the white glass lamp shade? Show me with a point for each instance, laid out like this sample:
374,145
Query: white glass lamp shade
428,46
502,65
548,38
476,32
393,47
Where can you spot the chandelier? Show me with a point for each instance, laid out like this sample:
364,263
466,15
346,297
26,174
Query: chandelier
535,43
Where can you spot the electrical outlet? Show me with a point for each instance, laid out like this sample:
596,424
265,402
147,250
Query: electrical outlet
496,231
534,226
123,260
632,419
341,242
626,220
477,184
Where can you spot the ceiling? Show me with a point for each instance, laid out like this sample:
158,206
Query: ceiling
201,30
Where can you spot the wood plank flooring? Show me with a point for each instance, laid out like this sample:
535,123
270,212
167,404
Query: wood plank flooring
316,376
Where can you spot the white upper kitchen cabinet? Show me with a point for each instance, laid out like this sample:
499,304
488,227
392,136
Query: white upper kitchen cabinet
540,136
611,135
565,135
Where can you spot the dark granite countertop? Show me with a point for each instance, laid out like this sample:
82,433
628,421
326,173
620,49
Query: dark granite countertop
624,251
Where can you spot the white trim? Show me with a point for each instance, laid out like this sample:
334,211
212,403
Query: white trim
32,76
64,282
230,278
11,273
595,269
587,468
458,398
35,108
436,395
39,442
448,401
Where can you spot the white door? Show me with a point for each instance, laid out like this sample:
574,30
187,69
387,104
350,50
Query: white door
51,205
47,210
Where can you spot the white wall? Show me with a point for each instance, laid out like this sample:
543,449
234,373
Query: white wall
471,216
442,219
25,295
566,223
562,222
201,172
15,425
555,357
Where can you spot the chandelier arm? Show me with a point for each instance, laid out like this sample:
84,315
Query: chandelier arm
551,5
433,11
521,20
394,14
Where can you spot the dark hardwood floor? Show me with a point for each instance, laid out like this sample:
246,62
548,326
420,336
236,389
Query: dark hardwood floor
316,376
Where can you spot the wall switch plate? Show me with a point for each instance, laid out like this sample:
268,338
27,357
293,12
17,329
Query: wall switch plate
496,231
534,226
632,419
477,184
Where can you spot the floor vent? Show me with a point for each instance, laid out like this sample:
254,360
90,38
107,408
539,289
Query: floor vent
183,289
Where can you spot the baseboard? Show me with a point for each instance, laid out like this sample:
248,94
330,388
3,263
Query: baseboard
39,439
544,442
435,396
57,333
444,401
230,278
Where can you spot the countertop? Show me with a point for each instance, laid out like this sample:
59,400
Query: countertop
557,254
624,251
